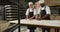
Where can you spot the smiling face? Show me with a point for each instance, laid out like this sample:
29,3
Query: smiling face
37,5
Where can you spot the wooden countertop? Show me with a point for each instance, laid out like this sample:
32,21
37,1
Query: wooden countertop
40,23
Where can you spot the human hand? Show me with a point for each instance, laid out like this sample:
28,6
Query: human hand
30,18
39,18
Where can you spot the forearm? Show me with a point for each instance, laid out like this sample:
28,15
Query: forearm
45,16
32,17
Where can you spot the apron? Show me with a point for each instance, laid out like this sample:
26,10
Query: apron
43,12
29,16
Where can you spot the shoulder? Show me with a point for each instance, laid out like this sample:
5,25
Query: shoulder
27,9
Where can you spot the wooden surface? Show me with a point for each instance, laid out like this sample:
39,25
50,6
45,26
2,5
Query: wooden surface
52,2
55,17
42,23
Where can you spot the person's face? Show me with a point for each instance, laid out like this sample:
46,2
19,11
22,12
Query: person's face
37,4
31,5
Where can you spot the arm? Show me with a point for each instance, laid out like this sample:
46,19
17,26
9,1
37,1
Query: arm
39,17
32,17
27,12
45,16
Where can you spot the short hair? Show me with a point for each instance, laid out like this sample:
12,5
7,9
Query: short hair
30,3
40,2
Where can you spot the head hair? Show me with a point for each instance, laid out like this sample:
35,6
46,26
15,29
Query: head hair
30,3
36,2
40,2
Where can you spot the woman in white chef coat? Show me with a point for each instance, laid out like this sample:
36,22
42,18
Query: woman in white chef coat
44,15
29,15
37,9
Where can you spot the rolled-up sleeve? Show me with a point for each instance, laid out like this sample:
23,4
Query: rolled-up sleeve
27,12
48,10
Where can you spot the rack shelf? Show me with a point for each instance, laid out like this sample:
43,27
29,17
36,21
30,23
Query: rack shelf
11,12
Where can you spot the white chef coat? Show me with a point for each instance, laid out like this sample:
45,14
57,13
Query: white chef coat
29,10
37,11
47,9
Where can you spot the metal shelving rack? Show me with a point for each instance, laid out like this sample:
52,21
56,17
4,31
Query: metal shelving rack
11,12
10,2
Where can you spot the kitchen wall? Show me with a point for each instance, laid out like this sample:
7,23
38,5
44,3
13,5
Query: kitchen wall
1,12
55,13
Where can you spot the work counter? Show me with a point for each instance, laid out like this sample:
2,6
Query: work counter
39,23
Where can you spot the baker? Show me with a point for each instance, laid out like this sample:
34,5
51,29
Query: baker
44,15
30,15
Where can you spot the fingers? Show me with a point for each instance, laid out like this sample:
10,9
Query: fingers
39,18
30,18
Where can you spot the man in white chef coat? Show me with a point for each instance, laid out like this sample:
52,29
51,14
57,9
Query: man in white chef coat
44,15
